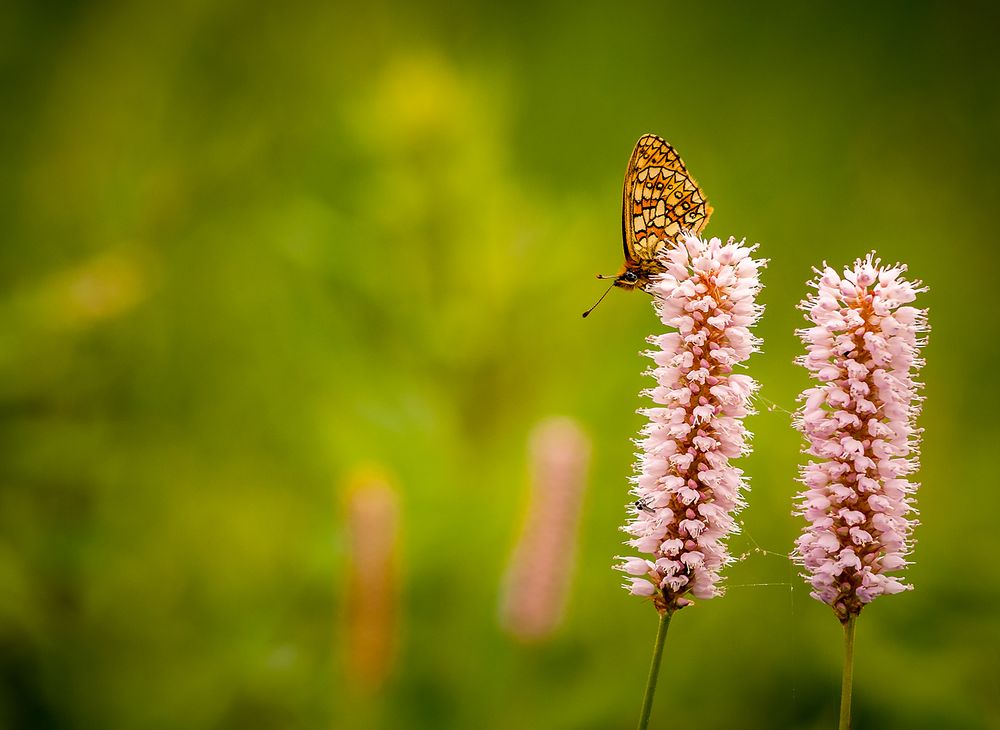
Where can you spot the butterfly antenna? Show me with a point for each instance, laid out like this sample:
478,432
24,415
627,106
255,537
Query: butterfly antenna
602,296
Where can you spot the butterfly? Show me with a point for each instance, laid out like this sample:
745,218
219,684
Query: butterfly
660,202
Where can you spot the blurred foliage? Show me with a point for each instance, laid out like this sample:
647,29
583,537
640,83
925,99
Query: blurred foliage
249,246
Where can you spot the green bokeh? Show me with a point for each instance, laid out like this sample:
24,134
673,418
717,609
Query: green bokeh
245,248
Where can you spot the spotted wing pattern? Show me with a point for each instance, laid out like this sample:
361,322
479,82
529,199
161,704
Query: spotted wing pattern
659,201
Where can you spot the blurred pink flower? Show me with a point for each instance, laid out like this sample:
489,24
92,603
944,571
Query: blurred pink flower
687,491
537,582
859,422
371,596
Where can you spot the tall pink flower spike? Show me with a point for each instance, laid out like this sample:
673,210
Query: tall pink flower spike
687,491
859,423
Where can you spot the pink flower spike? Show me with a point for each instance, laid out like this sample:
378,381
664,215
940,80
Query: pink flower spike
372,518
539,578
859,421
687,492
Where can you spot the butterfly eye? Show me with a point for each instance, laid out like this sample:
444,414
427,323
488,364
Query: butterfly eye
630,276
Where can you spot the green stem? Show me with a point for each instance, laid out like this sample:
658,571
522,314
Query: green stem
654,670
848,680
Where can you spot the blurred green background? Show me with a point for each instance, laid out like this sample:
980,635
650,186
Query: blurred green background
247,248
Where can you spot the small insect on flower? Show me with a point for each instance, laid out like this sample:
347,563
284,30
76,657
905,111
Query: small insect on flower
643,505
660,202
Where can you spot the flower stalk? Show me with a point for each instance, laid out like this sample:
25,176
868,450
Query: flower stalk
847,680
654,670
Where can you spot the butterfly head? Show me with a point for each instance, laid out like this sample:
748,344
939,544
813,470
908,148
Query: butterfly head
630,279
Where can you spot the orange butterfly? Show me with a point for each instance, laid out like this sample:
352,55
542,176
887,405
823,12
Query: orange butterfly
660,201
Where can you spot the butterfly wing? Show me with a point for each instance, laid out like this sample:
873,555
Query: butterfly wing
659,200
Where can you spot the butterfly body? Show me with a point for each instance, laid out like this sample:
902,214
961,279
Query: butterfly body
660,202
